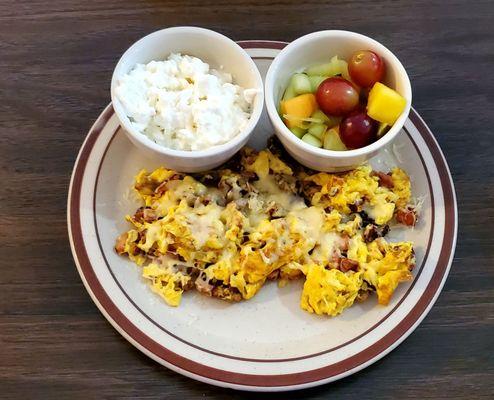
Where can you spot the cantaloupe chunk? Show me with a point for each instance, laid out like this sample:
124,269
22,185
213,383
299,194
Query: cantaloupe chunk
385,104
298,107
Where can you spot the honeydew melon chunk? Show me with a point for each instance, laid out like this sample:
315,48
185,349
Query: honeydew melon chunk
315,81
289,93
317,130
299,132
329,120
332,68
325,69
309,139
332,141
301,84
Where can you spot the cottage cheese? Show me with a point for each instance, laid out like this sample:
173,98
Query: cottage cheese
182,104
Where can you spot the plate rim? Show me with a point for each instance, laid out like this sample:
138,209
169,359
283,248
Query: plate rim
418,270
252,381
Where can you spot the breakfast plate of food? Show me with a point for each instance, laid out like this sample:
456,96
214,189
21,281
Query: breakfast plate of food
262,215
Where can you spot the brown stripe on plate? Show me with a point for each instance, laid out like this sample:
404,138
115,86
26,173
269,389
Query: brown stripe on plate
262,44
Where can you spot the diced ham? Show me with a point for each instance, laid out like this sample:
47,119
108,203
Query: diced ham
120,243
406,216
274,275
348,265
384,179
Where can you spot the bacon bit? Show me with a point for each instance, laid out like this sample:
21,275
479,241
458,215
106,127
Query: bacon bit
345,243
249,158
384,230
356,206
362,296
202,286
384,179
146,187
406,216
308,189
274,275
291,274
141,235
226,293
176,177
136,250
171,255
274,210
249,175
348,265
188,285
145,214
210,178
163,187
287,183
204,200
366,220
139,214
372,232
120,243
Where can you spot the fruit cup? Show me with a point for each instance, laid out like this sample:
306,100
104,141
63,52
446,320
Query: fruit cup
317,48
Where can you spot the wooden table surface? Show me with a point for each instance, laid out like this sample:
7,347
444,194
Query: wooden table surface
56,60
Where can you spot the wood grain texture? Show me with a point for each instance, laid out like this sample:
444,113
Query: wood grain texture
56,60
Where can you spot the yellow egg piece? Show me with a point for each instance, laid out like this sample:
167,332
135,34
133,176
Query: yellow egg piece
227,233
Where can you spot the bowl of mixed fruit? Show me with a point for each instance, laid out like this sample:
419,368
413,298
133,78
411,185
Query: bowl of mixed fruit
336,98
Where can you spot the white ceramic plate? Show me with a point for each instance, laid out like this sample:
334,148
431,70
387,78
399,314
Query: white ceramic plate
267,343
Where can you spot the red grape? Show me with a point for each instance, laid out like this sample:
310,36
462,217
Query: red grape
337,96
358,130
366,68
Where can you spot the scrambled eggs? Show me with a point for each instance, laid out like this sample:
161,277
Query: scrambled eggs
226,232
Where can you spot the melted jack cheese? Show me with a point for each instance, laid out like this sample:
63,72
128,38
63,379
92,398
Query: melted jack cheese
235,234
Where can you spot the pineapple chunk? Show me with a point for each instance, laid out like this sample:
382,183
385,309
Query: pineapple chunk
385,104
299,107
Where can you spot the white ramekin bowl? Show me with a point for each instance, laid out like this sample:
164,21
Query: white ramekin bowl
219,52
319,47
